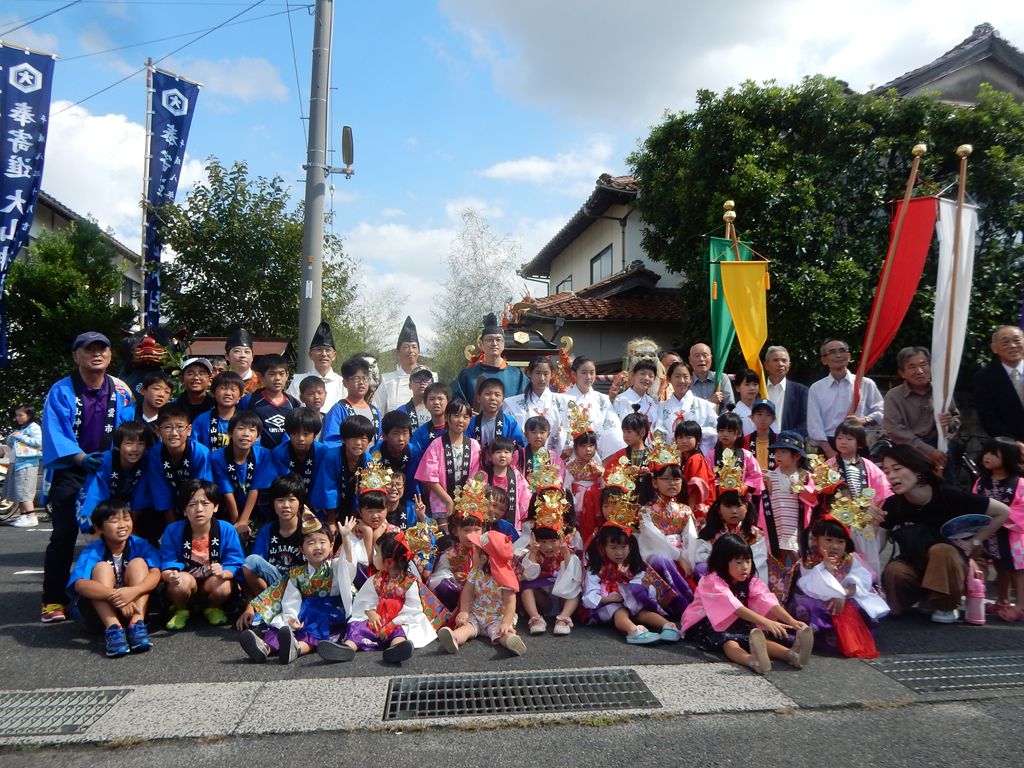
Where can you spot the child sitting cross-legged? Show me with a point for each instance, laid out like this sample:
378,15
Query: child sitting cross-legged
199,556
312,604
387,613
113,578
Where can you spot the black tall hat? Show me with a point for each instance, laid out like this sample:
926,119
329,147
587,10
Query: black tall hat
408,333
239,338
322,337
491,325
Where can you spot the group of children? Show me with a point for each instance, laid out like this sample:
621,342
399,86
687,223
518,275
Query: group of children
360,532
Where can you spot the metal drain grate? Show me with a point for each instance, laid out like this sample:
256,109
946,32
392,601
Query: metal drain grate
45,713
508,693
938,674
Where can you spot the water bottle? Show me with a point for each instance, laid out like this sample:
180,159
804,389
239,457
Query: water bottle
975,596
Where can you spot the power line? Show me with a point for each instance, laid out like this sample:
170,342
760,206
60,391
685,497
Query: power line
39,18
298,85
162,58
184,34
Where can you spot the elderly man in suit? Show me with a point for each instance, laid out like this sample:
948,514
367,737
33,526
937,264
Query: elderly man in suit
999,386
790,398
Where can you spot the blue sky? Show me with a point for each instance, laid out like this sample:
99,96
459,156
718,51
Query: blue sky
511,108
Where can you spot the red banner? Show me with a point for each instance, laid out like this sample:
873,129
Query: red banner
905,265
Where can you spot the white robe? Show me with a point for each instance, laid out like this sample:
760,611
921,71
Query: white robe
688,408
819,583
551,406
418,629
603,419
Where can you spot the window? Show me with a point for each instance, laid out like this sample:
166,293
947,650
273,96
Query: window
601,265
130,293
565,285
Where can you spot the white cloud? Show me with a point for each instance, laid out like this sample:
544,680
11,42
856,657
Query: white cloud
622,66
94,166
392,213
454,208
244,79
571,172
26,36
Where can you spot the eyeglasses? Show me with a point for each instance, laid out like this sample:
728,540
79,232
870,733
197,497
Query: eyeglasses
837,351
359,379
174,427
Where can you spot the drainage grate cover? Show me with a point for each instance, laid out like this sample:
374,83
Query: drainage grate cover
938,674
46,713
507,693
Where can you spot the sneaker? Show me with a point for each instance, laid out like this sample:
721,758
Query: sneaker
215,616
288,647
669,634
537,625
178,620
254,647
117,643
761,662
28,520
515,644
330,651
946,617
642,636
138,637
52,612
396,654
447,640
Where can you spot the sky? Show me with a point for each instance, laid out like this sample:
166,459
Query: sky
512,109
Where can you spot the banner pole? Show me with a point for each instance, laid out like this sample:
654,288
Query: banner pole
963,152
145,186
917,151
730,233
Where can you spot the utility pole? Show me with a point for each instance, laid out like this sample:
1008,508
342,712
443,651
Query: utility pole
311,279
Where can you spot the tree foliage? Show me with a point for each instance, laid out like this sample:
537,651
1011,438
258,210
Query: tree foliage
238,256
812,168
481,278
65,287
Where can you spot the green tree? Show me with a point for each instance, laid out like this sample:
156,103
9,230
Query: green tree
62,289
238,249
812,168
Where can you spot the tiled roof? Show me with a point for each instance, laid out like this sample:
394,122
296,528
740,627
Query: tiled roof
662,305
608,191
985,42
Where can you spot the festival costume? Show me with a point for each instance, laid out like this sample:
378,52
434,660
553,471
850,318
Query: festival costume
603,419
761,450
110,481
689,407
336,485
750,479
710,620
307,469
1006,547
756,539
519,492
465,383
448,466
274,554
331,433
864,537
195,410
848,633
503,425
547,404
697,475
211,430
628,401
401,464
164,478
256,474
418,415
180,550
97,552
397,601
580,477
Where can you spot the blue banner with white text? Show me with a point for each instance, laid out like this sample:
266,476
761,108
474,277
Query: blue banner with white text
25,80
174,102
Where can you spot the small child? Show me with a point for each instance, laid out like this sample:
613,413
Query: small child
1001,479
537,400
336,486
355,376
175,461
437,397
449,462
394,449
492,423
732,610
199,557
313,394
454,560
498,501
119,475
115,575
636,399
312,604
748,387
503,476
487,604
834,593
156,392
400,512
271,403
584,469
697,475
301,453
372,522
549,573
387,613
212,427
618,587
730,456
860,475
537,431
25,446
731,514
242,469
760,441
789,494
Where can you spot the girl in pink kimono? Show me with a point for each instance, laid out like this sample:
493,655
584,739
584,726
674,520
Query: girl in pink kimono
1001,480
734,612
449,461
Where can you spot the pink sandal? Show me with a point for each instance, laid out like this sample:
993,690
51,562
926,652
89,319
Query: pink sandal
1010,613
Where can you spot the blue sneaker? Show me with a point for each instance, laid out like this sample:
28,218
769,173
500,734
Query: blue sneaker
642,636
138,637
117,643
669,634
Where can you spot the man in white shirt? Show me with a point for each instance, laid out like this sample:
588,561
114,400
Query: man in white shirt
828,401
703,384
323,353
788,397
394,387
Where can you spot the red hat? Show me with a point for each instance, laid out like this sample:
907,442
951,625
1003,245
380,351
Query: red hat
498,547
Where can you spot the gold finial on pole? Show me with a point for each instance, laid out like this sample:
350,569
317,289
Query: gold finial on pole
964,151
729,205
919,149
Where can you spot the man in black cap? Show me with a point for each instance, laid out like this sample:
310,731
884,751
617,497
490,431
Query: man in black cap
79,417
394,389
493,365
323,354
240,353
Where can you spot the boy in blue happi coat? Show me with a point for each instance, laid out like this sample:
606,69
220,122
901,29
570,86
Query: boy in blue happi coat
241,470
301,453
119,474
337,486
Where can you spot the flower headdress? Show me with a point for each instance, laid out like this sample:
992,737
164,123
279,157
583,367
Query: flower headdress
826,479
662,454
471,499
729,475
544,473
579,421
375,476
622,512
852,512
622,476
550,508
